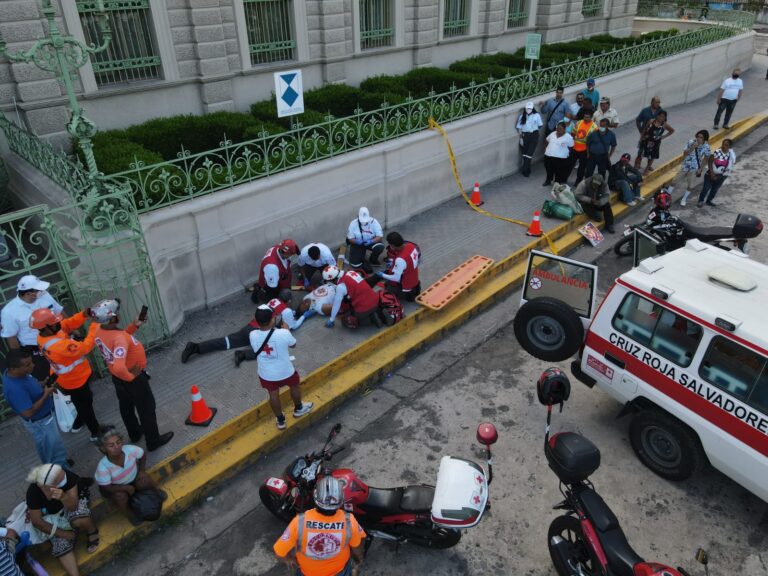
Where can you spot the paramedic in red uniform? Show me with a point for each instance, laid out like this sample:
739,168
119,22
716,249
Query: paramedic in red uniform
363,301
402,273
275,272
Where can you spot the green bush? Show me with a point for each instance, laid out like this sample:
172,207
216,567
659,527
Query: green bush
374,100
116,155
266,111
338,99
252,132
421,80
385,85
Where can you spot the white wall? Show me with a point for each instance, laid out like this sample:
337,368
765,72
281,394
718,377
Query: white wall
207,249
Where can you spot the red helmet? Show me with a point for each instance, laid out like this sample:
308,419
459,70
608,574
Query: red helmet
43,317
288,247
663,199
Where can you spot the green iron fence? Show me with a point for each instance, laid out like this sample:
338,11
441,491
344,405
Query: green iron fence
131,56
376,29
192,175
270,30
517,15
455,18
591,8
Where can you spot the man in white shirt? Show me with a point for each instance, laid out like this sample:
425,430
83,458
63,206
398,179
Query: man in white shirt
14,319
729,94
312,260
364,235
273,352
319,301
604,110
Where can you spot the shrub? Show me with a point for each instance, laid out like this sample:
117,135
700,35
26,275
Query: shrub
385,85
338,99
116,155
374,100
421,80
252,132
484,66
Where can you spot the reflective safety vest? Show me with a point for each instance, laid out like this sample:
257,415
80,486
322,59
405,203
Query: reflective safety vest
580,133
66,356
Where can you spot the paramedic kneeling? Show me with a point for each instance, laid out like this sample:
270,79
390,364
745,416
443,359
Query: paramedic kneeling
324,541
402,275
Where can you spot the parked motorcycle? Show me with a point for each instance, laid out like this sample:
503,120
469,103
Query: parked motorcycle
587,540
425,515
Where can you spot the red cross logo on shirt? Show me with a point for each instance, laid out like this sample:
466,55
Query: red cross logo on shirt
268,349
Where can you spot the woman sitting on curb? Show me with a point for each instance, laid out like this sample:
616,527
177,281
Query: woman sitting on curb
122,472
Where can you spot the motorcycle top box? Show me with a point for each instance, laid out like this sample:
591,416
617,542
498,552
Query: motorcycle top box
461,493
572,457
747,226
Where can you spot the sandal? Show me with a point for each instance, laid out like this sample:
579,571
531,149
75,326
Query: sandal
93,541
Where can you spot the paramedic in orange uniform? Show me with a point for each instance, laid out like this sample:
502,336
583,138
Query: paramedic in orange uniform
126,361
324,541
67,358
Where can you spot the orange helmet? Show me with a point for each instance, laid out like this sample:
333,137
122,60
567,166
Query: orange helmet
44,317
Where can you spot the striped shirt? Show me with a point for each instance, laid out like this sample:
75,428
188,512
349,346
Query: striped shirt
110,473
8,566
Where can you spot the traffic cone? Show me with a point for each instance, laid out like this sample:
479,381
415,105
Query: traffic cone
475,199
200,415
535,228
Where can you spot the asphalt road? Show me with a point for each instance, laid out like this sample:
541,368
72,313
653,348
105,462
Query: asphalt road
431,407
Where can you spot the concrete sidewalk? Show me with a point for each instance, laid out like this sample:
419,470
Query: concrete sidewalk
448,235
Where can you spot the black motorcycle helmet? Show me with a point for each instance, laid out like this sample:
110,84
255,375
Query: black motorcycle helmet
553,387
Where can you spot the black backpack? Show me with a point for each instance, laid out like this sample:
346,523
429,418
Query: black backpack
147,504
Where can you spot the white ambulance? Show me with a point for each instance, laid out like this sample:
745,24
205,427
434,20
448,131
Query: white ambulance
681,340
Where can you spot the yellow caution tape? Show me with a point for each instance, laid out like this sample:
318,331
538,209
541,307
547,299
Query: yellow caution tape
433,124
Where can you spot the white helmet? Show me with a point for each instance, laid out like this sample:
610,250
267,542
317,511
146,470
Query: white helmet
331,273
329,495
103,311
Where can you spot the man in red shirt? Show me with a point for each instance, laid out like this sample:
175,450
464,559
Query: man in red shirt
275,271
363,301
402,275
126,360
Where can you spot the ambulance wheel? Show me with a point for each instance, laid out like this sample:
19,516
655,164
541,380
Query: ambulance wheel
548,329
625,246
666,445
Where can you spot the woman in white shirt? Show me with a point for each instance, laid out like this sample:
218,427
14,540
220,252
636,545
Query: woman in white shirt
528,125
559,144
720,166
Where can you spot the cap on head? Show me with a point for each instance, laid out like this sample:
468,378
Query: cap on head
597,180
43,317
590,82
331,273
31,282
103,311
288,247
364,216
626,156
528,106
329,495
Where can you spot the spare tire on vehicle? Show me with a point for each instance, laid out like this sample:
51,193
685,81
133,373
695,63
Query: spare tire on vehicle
548,329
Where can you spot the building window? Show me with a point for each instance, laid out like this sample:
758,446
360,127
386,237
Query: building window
130,56
456,18
270,30
591,7
518,13
376,28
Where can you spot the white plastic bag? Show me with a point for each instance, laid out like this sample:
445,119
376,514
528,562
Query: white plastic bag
65,411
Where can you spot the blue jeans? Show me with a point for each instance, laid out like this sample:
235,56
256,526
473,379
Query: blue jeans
710,188
629,191
48,443
346,572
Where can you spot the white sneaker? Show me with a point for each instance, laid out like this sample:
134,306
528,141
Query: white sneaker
632,203
306,407
684,199
76,430
281,425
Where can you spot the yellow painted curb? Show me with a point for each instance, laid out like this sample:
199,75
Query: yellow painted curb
189,474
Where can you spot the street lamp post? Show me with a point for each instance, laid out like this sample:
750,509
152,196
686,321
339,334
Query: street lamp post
63,56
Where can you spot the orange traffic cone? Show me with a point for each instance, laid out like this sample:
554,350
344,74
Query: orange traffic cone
535,228
475,199
200,415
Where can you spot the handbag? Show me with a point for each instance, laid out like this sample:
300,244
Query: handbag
146,504
66,413
554,209
20,522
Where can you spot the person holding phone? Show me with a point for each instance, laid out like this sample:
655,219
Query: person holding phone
125,358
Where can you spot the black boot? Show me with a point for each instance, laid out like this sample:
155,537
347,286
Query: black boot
190,349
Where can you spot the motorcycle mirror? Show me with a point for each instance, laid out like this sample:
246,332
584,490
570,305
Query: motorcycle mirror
487,434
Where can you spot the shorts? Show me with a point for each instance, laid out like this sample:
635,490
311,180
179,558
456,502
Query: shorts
272,385
62,546
689,178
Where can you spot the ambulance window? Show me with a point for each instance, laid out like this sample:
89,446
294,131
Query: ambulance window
672,336
759,396
733,368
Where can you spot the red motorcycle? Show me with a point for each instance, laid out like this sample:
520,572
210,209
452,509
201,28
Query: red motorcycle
587,540
429,516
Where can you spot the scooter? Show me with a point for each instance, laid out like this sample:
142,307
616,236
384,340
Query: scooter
425,515
587,540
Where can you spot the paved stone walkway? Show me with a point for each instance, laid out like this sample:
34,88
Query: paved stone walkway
447,234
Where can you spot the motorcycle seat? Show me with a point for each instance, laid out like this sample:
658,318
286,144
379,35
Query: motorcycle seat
383,501
621,557
708,233
417,498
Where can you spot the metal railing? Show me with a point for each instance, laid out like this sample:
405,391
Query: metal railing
192,175
517,14
270,30
376,29
131,55
591,7
455,18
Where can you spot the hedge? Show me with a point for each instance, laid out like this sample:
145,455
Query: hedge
162,138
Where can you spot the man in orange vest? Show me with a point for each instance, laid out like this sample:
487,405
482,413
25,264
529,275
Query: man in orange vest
68,361
126,361
580,131
324,541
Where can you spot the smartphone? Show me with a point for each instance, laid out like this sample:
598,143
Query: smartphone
143,313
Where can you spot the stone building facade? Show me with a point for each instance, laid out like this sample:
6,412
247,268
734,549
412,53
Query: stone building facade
196,56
